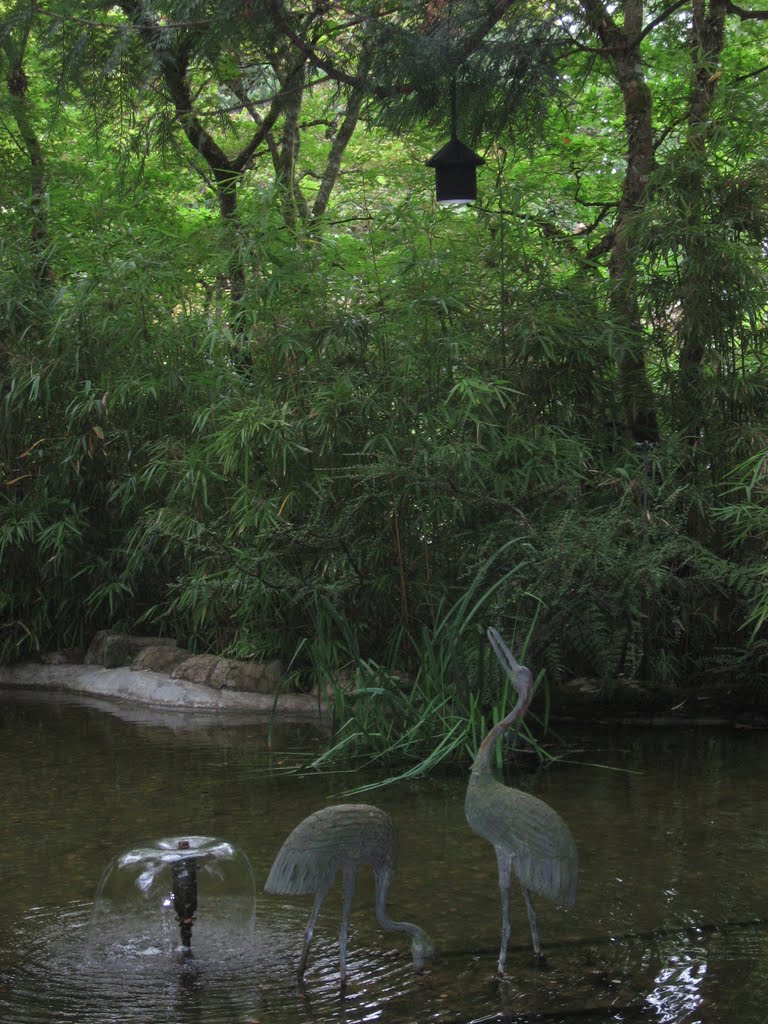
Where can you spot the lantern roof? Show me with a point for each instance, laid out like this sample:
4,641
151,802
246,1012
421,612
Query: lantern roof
455,152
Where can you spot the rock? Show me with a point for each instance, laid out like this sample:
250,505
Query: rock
161,658
589,687
161,654
111,650
349,680
247,676
220,675
138,643
344,680
127,691
197,668
64,656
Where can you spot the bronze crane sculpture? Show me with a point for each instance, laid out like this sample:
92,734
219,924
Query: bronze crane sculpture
341,838
527,835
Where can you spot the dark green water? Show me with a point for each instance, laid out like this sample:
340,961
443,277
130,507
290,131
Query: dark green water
671,921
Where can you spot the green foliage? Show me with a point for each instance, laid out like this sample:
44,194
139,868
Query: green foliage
355,440
746,519
411,724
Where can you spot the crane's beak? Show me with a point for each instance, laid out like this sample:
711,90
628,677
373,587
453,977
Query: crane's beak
503,653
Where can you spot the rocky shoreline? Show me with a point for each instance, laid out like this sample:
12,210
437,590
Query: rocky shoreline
157,673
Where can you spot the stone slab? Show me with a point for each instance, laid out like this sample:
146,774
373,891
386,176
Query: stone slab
156,689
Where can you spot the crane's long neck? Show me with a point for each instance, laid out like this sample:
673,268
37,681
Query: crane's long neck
482,762
421,942
389,925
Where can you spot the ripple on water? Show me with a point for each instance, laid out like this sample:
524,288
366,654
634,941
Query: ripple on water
46,975
52,975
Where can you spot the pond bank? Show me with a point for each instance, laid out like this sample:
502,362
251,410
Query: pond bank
742,706
156,672
156,689
576,703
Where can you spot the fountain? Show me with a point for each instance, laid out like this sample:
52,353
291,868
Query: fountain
171,937
152,896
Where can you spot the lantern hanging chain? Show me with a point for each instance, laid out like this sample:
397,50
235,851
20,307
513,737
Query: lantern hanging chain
454,118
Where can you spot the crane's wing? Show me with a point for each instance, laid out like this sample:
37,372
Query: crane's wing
544,855
327,840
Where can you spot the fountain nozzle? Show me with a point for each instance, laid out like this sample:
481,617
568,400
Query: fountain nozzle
184,872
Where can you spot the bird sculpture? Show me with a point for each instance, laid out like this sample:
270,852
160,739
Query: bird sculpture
527,835
341,838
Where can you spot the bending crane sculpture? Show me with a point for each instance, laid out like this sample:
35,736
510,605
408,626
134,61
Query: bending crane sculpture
341,838
527,835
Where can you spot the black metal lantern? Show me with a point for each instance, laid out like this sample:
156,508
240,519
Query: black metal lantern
455,167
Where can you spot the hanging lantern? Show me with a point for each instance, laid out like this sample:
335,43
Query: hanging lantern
455,167
455,173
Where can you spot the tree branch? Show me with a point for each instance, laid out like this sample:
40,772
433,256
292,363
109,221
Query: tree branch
339,145
90,23
661,18
740,12
305,47
751,74
465,47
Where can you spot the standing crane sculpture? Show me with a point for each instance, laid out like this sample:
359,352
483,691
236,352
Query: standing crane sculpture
341,838
527,835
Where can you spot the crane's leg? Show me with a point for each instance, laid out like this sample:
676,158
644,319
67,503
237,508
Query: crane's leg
383,879
309,930
533,923
348,889
505,876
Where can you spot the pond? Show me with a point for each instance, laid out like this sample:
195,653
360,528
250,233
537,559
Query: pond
670,924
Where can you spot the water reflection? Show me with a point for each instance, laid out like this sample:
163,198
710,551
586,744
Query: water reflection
670,923
677,997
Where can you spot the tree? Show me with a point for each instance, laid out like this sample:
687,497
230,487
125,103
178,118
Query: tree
16,27
280,402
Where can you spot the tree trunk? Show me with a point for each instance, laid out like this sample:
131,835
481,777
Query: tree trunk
18,87
173,63
637,396
294,204
341,140
707,41
622,43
